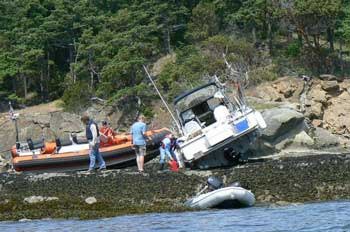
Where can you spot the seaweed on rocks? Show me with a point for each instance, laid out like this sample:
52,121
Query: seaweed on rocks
119,192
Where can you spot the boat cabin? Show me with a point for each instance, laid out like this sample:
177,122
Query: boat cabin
199,108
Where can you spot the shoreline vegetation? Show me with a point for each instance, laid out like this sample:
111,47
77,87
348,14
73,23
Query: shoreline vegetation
52,50
288,180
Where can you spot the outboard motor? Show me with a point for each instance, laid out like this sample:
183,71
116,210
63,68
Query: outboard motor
214,183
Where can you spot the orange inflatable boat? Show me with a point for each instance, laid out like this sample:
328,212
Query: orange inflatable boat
117,152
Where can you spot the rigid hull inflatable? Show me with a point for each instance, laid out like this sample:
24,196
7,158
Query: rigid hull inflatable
75,156
223,198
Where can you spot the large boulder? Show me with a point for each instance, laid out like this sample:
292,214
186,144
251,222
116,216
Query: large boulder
330,86
317,94
283,124
314,110
324,139
328,77
336,115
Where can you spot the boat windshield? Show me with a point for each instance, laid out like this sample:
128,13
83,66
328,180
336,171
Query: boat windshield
197,106
196,98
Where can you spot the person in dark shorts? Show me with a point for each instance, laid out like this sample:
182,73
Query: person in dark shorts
138,139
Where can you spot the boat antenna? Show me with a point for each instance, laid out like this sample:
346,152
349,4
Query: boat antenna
14,117
236,76
164,102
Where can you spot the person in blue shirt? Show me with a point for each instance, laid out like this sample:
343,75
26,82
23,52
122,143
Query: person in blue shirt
138,140
166,150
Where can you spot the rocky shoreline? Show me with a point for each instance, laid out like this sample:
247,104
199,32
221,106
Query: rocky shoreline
80,195
302,156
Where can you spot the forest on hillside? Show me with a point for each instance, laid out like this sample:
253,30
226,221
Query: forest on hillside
76,49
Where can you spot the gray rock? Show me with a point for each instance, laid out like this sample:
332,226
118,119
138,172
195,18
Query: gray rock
281,121
328,77
303,139
324,138
25,220
315,110
33,199
90,200
330,86
42,119
45,176
317,94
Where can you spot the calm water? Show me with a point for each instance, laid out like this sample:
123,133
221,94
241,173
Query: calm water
329,216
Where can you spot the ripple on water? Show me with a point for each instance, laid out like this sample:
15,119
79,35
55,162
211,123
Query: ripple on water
326,216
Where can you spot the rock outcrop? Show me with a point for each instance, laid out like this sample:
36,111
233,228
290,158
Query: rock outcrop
324,103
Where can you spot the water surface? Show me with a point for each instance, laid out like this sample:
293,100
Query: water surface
326,216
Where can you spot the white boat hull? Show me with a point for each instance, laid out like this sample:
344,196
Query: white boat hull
229,197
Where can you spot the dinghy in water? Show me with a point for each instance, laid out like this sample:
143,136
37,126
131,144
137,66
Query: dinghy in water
222,197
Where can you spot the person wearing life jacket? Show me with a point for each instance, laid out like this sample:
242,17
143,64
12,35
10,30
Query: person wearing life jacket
93,136
166,150
106,134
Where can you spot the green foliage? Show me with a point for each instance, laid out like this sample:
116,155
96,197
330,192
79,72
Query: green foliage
293,49
204,22
238,49
186,71
15,99
76,97
102,45
262,74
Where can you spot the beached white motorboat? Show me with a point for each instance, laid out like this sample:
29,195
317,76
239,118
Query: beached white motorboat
233,196
216,131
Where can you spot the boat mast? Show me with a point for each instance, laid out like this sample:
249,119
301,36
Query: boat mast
164,102
14,117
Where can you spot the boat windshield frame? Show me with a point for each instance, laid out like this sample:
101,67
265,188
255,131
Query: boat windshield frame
205,93
183,96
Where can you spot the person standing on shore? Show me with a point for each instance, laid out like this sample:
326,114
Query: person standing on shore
93,136
138,140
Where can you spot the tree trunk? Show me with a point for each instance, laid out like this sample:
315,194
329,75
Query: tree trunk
254,34
289,35
330,37
70,64
167,41
48,76
91,79
300,39
341,57
316,42
42,85
24,85
270,37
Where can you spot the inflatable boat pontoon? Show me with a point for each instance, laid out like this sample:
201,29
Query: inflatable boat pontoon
229,197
